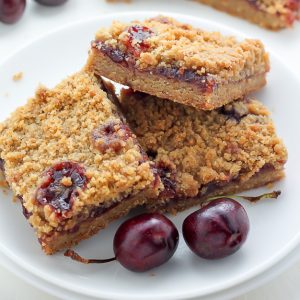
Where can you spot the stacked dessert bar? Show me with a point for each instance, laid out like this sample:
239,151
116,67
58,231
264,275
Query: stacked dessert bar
201,154
72,161
168,59
271,14
188,106
77,157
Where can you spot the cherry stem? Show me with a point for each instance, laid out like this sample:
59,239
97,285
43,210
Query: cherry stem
271,195
75,256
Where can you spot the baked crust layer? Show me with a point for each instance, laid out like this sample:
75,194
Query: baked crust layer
261,178
61,240
69,151
161,56
228,148
188,93
271,14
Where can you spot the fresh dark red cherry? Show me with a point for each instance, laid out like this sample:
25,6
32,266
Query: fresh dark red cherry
145,242
51,2
141,243
11,10
216,230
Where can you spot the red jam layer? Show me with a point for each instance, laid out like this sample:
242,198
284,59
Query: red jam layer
1,165
206,83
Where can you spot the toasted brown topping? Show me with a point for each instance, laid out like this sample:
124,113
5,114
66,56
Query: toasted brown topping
196,148
163,42
276,6
111,136
56,126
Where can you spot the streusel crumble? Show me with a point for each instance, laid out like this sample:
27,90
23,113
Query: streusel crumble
166,58
199,154
73,162
272,14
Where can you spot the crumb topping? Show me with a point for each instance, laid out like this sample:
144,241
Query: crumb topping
166,43
196,148
55,128
66,181
277,7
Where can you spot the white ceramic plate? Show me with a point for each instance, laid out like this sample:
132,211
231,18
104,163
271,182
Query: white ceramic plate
222,295
275,224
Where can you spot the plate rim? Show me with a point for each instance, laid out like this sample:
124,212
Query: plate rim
234,291
290,247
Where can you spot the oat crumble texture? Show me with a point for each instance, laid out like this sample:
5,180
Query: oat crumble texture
200,154
72,161
271,14
165,58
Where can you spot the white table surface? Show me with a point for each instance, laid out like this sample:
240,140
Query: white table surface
38,19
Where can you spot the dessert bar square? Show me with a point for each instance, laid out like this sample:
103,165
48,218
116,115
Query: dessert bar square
200,154
169,59
271,14
73,162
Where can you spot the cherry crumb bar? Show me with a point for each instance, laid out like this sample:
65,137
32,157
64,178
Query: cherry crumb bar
168,59
271,14
200,154
73,162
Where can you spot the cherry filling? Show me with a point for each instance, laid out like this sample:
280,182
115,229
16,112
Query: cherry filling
111,136
254,2
136,40
212,187
167,176
1,165
115,54
293,5
235,111
26,213
206,82
61,185
152,154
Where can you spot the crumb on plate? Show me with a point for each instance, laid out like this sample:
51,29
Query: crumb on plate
18,76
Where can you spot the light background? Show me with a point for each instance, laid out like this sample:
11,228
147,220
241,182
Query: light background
38,20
